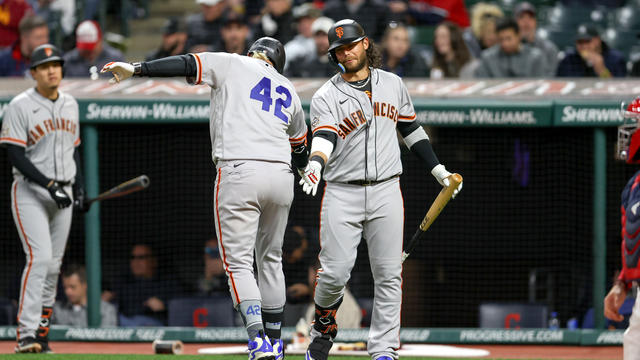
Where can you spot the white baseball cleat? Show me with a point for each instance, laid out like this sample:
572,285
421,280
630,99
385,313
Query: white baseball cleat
260,349
278,349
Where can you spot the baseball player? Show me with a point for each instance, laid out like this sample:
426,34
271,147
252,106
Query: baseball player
628,146
41,133
257,129
354,117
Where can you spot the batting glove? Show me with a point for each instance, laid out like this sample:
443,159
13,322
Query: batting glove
442,175
120,71
58,195
310,177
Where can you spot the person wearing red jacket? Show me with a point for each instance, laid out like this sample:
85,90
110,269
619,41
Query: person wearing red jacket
628,146
11,12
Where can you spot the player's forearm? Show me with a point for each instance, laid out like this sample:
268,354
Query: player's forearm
18,159
322,147
417,140
180,65
300,155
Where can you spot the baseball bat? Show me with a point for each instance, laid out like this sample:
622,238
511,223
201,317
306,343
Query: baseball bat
438,204
127,187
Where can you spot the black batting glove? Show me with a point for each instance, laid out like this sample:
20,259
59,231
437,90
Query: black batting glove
79,198
58,195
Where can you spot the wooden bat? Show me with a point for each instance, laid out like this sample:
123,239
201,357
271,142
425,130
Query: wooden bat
127,187
438,204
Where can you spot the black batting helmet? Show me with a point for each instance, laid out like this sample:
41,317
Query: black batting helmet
44,54
346,31
272,48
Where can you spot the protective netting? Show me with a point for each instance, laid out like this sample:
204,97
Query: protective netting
526,209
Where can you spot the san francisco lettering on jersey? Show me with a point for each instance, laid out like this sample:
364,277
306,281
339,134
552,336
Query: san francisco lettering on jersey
47,126
357,118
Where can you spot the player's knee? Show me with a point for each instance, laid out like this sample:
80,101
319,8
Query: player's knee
334,280
53,267
41,261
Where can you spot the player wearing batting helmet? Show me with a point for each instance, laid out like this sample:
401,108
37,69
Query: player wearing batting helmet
257,131
628,146
355,117
41,132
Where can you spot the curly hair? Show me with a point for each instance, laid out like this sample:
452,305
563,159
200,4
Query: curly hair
374,55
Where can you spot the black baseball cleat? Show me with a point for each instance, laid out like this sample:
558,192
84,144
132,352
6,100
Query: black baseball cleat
318,349
28,345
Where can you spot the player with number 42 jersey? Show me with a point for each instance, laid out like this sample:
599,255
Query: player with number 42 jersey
257,131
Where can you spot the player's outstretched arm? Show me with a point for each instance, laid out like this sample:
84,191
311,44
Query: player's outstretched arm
180,65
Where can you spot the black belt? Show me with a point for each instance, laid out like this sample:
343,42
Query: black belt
63,183
370,182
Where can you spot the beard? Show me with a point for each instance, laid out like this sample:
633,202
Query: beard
354,68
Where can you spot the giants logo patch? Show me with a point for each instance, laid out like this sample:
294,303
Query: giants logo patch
48,51
339,32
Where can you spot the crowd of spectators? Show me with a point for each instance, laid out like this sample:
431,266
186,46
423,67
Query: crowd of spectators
484,41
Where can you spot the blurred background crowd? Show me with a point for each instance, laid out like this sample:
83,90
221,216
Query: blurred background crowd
419,38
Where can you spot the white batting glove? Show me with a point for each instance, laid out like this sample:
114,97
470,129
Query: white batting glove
310,177
442,175
120,71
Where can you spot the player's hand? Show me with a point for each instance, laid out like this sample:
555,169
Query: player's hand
442,175
120,71
613,301
58,195
79,198
310,177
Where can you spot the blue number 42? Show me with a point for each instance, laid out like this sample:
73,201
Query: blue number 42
262,93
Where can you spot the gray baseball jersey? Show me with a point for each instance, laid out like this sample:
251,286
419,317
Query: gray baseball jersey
49,131
366,149
254,109
255,117
367,146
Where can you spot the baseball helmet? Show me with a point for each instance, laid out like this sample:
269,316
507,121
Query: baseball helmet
273,50
346,31
628,144
44,54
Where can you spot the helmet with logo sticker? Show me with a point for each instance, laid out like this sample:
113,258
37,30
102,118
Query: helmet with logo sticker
44,54
628,144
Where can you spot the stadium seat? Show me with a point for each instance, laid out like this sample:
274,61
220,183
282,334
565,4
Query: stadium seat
201,312
562,38
568,18
422,35
513,315
620,39
627,17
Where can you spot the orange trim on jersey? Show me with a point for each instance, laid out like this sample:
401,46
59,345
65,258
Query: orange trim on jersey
331,128
26,240
224,252
77,142
410,118
199,78
298,139
15,141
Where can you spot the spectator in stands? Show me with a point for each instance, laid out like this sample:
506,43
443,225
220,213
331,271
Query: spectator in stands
214,279
451,57
482,33
302,44
371,14
277,21
315,63
525,15
174,38
235,34
90,51
203,28
592,57
431,12
143,294
11,11
397,55
73,312
14,61
510,58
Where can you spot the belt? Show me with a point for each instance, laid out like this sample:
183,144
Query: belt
370,182
63,183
